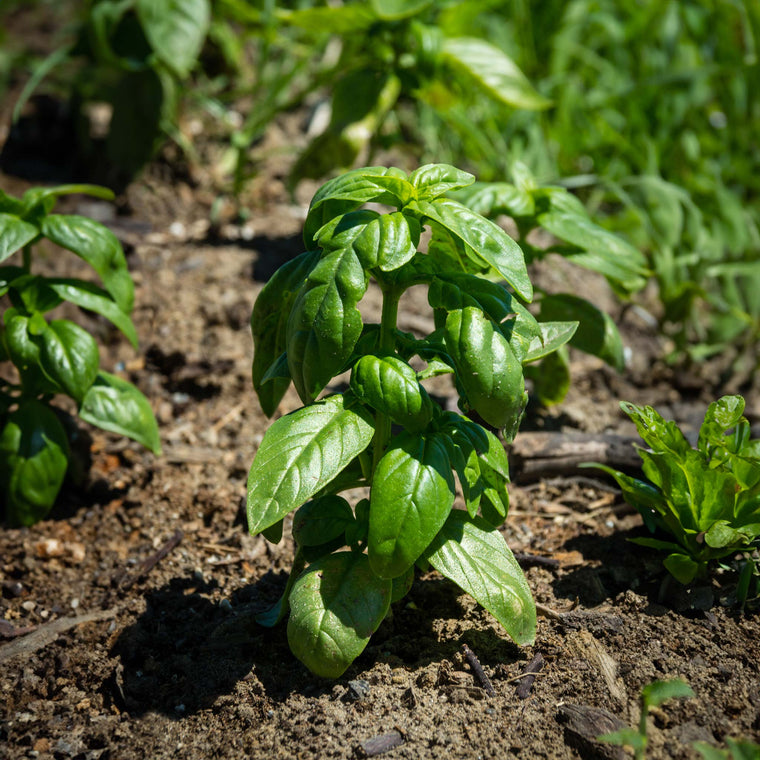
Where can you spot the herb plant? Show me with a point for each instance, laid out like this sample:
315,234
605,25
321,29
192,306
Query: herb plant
708,498
385,432
57,356
652,695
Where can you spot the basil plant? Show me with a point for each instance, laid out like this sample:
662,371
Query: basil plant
42,358
385,433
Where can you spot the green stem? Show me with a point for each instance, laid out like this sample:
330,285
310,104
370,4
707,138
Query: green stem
391,296
27,259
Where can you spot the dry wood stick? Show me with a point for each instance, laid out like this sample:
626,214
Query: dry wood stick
149,563
477,668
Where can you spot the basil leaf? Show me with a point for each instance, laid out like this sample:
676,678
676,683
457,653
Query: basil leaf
389,385
493,198
336,604
300,454
269,326
68,356
324,323
90,297
412,493
486,369
322,520
551,337
433,180
474,555
484,241
99,247
15,233
388,242
116,405
456,291
34,453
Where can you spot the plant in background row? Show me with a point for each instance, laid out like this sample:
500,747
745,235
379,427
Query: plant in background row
385,432
707,498
57,356
134,55
580,241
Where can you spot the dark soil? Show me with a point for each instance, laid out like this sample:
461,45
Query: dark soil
128,615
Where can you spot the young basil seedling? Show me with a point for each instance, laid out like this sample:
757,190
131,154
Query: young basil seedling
58,356
385,432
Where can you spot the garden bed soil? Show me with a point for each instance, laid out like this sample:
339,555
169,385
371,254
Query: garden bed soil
127,617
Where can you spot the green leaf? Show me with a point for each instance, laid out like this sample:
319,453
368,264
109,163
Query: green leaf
483,240
395,10
34,453
335,606
493,198
324,323
388,242
657,692
322,520
389,385
451,291
346,193
626,737
90,297
474,555
269,326
682,567
412,493
68,356
478,62
176,30
660,435
300,454
32,293
8,274
597,333
99,247
25,354
15,233
432,180
341,20
551,378
551,337
486,369
116,405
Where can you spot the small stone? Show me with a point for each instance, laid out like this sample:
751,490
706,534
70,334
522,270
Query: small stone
358,689
29,606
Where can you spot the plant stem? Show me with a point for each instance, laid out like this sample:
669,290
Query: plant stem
391,296
27,258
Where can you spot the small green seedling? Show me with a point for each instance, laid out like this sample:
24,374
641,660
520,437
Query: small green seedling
652,695
385,433
57,356
708,498
737,750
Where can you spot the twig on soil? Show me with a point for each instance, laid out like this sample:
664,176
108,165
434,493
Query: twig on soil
477,668
377,745
542,609
8,631
48,633
530,672
149,563
527,560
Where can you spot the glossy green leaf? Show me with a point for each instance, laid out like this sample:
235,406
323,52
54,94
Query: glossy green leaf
433,180
474,555
24,352
15,233
389,385
482,64
69,356
657,692
551,337
33,293
116,405
412,493
90,297
451,291
493,198
34,454
388,242
269,326
300,454
551,378
99,247
659,434
176,30
324,323
395,10
483,240
343,194
486,369
682,567
7,276
336,604
596,333
342,20
322,520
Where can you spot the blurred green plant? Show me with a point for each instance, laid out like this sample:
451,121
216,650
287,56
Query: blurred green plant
58,356
707,498
135,55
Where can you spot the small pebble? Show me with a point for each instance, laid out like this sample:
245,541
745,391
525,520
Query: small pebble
29,606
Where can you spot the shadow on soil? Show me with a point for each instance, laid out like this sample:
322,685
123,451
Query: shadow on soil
186,649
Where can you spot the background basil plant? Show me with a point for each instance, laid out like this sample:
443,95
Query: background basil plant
385,432
57,356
